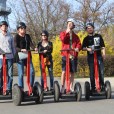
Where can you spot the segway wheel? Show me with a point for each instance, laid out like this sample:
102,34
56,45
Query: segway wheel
16,95
108,89
78,90
56,91
87,90
39,92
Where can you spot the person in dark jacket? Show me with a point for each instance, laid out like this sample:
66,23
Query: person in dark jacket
91,42
23,43
46,47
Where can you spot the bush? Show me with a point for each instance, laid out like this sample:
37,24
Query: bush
83,70
109,66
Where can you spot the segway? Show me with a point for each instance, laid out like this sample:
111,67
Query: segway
77,94
50,93
106,91
3,95
33,94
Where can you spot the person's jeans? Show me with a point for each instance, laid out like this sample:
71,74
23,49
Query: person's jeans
91,69
50,72
9,63
20,66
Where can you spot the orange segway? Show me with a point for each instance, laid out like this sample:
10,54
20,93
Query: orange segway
33,94
3,95
99,91
77,87
52,92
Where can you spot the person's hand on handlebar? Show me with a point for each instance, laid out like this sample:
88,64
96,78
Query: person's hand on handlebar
89,49
36,50
76,50
23,50
45,51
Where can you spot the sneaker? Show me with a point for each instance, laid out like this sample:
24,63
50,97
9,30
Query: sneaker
46,89
71,90
8,92
51,89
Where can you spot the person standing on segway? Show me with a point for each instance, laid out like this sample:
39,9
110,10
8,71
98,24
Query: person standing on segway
7,46
23,43
46,47
91,42
69,41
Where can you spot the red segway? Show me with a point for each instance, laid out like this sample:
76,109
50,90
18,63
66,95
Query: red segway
55,92
3,95
77,87
99,92
33,94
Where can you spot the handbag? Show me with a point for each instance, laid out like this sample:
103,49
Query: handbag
22,55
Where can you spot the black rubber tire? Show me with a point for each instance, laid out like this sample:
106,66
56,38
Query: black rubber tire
56,91
35,92
108,90
16,95
39,92
87,90
78,90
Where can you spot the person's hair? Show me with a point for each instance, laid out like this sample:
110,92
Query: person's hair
45,32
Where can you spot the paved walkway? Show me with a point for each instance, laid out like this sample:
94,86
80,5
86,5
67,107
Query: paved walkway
94,106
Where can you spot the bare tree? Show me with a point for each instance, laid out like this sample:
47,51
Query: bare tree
99,12
42,14
52,14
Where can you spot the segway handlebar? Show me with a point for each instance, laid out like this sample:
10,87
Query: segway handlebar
97,49
28,50
41,52
94,49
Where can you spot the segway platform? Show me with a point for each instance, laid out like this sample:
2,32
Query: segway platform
5,97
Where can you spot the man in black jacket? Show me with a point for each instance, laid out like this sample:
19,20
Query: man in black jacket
91,42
